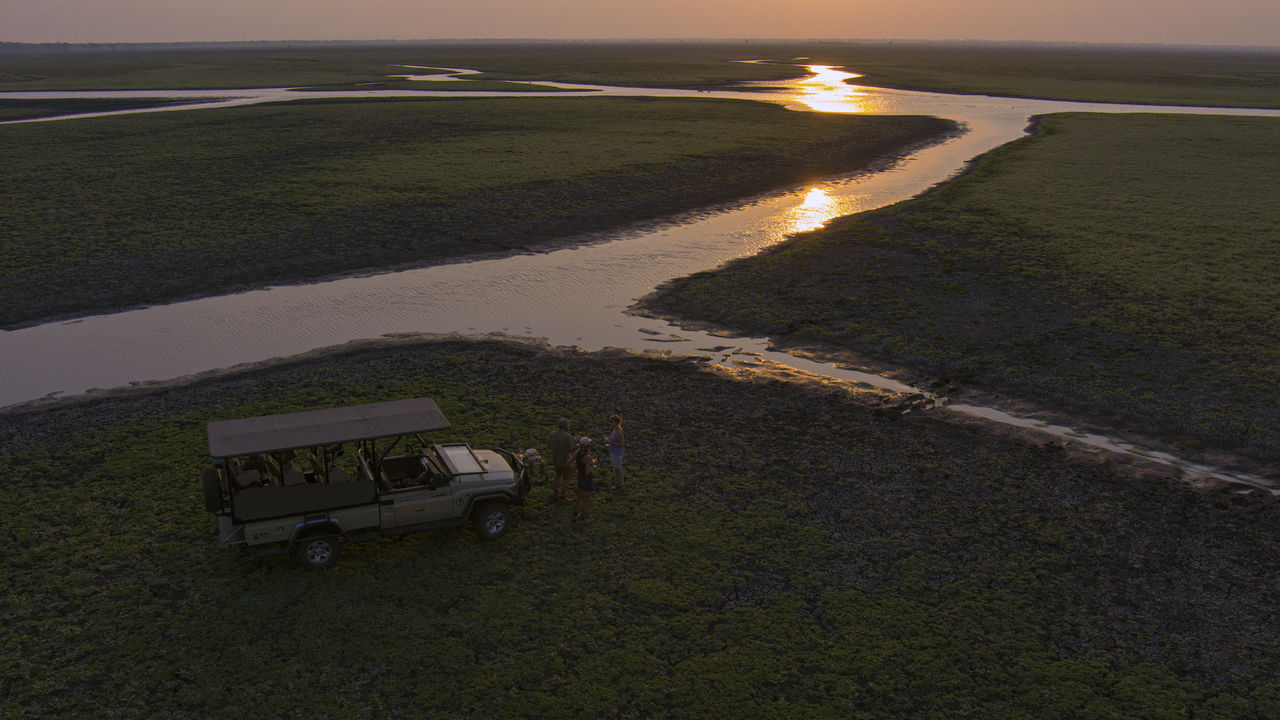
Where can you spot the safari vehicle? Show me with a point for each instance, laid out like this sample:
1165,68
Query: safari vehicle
305,482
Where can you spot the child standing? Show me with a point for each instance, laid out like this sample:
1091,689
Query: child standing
616,442
585,463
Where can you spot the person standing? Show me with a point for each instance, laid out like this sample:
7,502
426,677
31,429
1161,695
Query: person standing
586,483
562,448
616,442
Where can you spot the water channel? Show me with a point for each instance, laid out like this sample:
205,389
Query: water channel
575,296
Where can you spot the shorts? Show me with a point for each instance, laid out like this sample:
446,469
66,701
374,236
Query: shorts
586,483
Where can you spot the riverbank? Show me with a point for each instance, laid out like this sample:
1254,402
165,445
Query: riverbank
203,202
783,548
29,109
1116,267
170,66
1196,76
1170,75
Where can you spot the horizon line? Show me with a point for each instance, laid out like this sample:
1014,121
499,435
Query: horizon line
10,44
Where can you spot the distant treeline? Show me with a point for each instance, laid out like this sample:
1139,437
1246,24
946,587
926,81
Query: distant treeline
65,47
36,48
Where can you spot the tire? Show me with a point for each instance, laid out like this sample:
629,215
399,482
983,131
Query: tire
319,552
491,520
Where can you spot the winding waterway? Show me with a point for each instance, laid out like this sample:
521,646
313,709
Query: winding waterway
575,296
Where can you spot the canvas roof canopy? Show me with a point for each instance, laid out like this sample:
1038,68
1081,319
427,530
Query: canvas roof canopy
311,428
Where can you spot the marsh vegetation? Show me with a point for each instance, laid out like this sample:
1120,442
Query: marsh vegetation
781,549
1215,77
784,548
29,109
686,65
1120,266
153,207
1156,75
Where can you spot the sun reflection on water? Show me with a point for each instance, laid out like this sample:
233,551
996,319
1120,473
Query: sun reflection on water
813,212
826,91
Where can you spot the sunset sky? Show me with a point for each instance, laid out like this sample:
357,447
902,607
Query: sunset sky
1200,22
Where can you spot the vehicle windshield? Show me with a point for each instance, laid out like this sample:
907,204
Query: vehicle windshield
460,459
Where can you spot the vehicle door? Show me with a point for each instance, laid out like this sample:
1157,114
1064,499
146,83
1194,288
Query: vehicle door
417,504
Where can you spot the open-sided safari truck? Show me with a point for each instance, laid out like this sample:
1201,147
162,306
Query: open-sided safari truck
305,482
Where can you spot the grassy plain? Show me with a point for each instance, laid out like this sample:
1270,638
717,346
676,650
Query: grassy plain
1218,77
1156,75
462,85
783,551
147,208
27,109
1123,267
691,65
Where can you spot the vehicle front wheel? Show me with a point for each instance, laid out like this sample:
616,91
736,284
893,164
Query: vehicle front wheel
318,553
492,520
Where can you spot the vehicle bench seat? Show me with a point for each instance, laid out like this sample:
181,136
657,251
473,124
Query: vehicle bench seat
276,500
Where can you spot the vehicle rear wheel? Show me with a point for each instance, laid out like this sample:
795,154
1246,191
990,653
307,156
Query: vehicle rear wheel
492,520
318,553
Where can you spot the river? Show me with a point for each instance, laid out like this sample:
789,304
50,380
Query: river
575,296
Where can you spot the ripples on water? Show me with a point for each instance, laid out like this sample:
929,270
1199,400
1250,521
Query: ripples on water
576,296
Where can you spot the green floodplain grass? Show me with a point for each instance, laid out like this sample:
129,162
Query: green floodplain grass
782,551
11,109
153,207
28,109
1100,73
693,65
1122,266
1219,77
442,86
